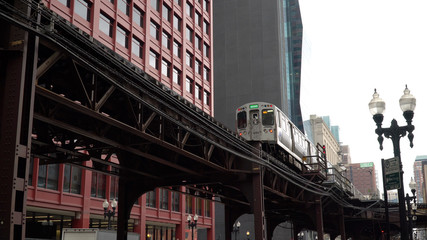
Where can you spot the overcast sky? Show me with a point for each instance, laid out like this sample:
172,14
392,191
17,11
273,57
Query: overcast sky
354,46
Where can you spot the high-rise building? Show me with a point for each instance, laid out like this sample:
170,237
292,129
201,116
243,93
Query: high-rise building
318,131
364,178
257,56
345,154
420,171
170,40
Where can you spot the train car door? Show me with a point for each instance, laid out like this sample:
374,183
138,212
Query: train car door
255,125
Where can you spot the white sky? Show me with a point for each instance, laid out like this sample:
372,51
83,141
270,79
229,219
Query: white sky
354,46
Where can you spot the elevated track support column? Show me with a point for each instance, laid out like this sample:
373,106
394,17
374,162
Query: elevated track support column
319,218
341,222
257,201
18,54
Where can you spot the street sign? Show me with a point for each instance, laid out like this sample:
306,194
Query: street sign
391,168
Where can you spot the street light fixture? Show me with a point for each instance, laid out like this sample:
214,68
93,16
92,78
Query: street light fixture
236,228
107,212
412,208
407,104
193,224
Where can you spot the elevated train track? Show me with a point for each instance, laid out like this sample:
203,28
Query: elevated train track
82,101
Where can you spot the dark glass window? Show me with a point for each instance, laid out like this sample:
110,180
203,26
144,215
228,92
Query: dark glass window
177,22
98,186
242,121
189,204
154,59
114,188
48,176
175,201
164,199
268,117
207,208
72,179
166,12
151,199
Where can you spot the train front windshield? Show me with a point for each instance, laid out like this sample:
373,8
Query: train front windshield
267,117
241,120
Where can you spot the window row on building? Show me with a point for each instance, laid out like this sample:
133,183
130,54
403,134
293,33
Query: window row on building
48,177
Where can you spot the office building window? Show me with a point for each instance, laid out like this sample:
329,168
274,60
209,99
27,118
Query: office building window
189,9
175,201
106,24
199,203
137,47
188,204
114,188
198,66
206,5
98,185
189,59
206,27
166,12
177,2
207,208
197,90
123,6
177,22
72,179
166,68
155,4
206,98
154,30
206,73
206,50
154,59
83,8
189,34
122,36
66,3
176,76
164,199
48,176
189,85
177,49
150,199
198,42
138,16
166,38
198,19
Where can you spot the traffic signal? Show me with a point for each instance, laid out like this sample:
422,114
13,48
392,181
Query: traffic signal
324,149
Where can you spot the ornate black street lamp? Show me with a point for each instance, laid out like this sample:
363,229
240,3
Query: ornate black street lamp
192,225
236,228
412,208
107,212
394,132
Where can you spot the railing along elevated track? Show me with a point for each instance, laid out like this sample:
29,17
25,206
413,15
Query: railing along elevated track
69,99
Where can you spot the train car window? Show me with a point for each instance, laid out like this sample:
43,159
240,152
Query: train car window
254,117
268,117
242,120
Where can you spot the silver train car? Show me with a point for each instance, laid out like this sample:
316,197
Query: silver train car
264,122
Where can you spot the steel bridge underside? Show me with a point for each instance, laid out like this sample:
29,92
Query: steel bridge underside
68,99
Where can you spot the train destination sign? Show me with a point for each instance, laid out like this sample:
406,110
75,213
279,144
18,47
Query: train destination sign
391,169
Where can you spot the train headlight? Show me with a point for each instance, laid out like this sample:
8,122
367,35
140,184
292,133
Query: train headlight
265,130
271,130
240,134
244,133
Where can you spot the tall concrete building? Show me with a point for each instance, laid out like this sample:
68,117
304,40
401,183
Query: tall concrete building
318,131
257,56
